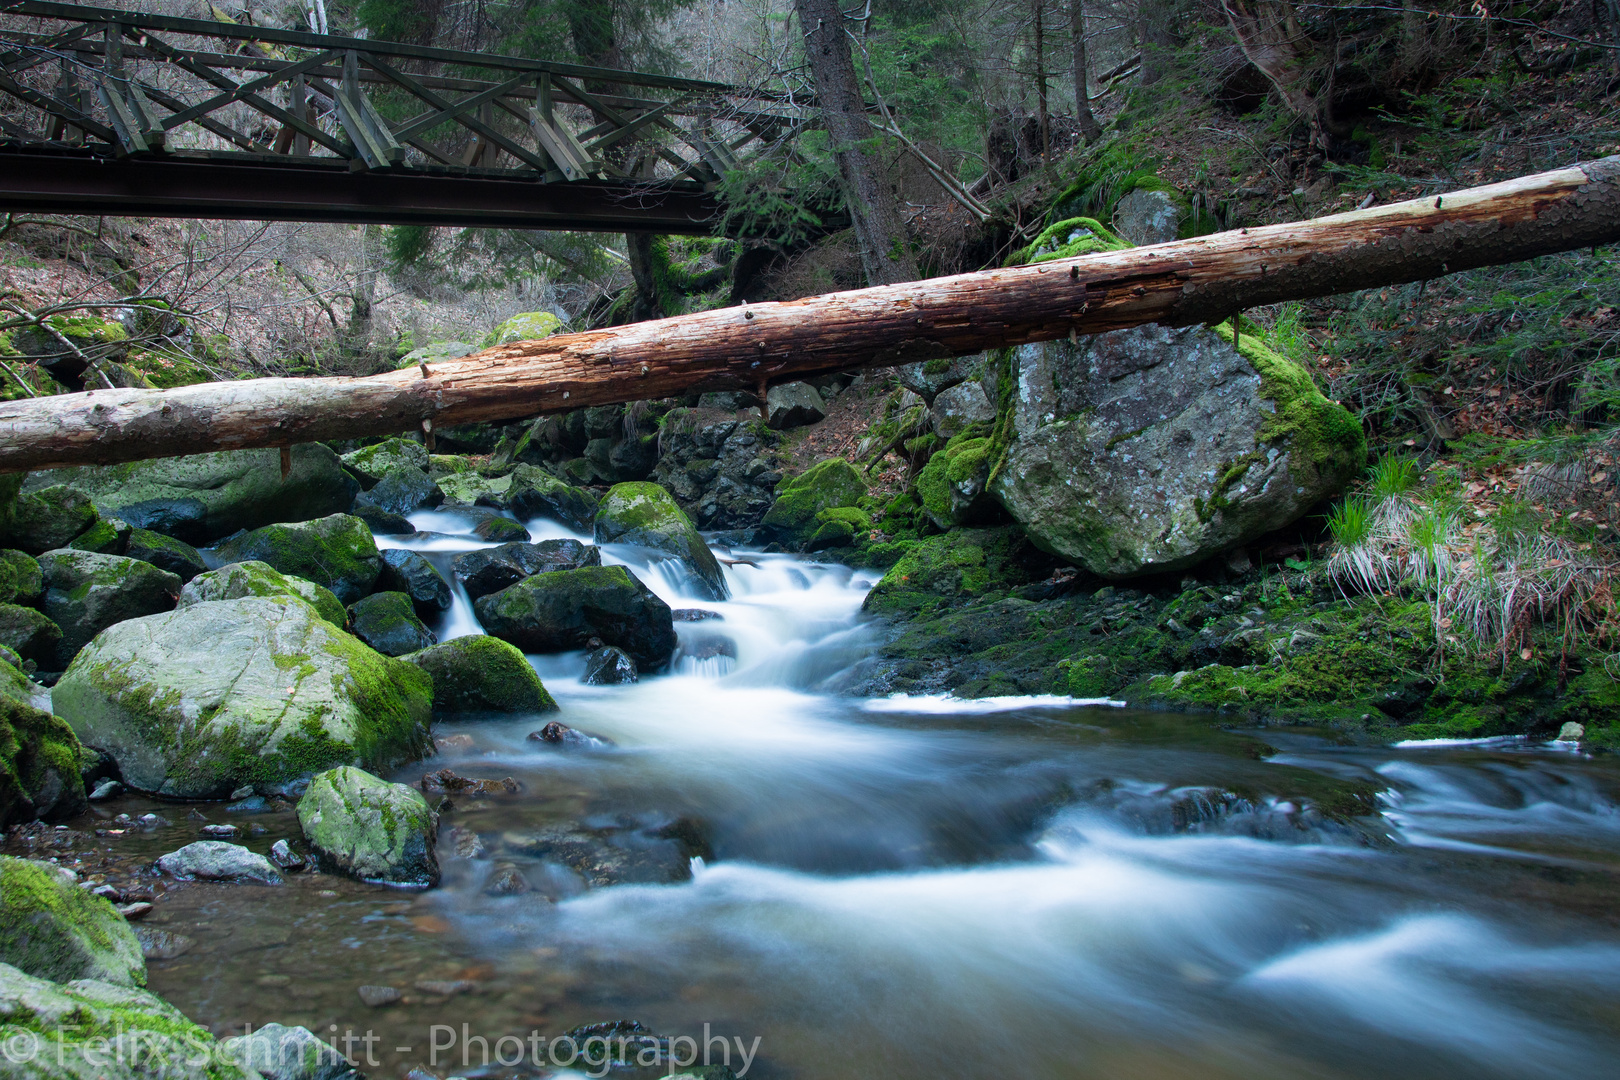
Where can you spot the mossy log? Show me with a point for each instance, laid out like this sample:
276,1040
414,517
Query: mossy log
1202,280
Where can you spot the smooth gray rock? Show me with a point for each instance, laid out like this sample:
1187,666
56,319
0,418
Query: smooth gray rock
86,593
276,1052
1150,449
963,404
216,860
1147,217
792,405
414,575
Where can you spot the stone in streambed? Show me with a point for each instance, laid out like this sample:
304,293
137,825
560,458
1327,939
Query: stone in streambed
643,513
86,593
563,610
387,622
44,519
336,552
30,634
52,929
259,690
383,523
609,666
482,674
202,497
490,570
21,580
276,1052
252,578
216,860
370,829
412,574
106,537
40,759
375,463
501,530
166,553
401,492
536,493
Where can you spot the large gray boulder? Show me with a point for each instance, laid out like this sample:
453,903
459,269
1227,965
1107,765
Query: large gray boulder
46,517
643,513
722,474
202,497
337,552
277,1052
252,578
479,673
563,610
963,404
260,690
370,829
216,860
85,593
792,405
1151,449
1145,216
52,929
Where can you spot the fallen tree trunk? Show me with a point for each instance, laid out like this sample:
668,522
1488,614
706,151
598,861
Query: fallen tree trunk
1178,284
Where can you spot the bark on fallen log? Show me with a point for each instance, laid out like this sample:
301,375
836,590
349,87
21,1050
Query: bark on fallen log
1178,284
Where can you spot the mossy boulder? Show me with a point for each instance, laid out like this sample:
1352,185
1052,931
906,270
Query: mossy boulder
564,609
533,492
952,486
40,774
373,463
21,580
370,829
201,701
93,1030
643,513
50,517
414,575
1149,449
335,552
954,568
52,929
489,570
823,486
479,673
165,552
31,634
252,578
527,326
1068,239
470,488
86,593
106,537
387,622
438,350
399,493
203,497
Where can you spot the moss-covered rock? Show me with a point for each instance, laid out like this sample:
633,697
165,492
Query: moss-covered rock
945,570
202,497
52,929
199,702
47,518
373,463
482,674
643,513
387,622
370,829
92,1030
40,775
490,570
1151,449
21,580
527,326
1068,239
252,578
470,488
953,485
335,552
435,351
411,573
86,593
30,634
823,486
564,609
165,552
106,537
533,492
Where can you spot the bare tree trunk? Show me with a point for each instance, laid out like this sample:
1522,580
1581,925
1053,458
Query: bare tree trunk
873,208
1040,82
1160,34
1177,284
1089,128
1271,37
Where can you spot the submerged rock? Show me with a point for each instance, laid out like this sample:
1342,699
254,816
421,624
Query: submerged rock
559,734
52,929
563,610
252,578
412,574
609,666
1151,449
217,860
490,570
370,829
387,622
644,513
479,673
260,690
202,497
86,593
336,552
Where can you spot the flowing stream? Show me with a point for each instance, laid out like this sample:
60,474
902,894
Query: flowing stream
925,888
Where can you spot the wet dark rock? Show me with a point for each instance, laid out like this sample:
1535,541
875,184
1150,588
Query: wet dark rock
492,569
401,492
138,910
378,996
707,646
501,530
558,734
609,666
282,854
695,615
383,523
506,880
411,573
536,493
563,610
792,405
31,634
446,782
387,622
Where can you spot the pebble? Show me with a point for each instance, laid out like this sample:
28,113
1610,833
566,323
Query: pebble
446,987
446,743
106,790
253,804
242,792
162,944
138,910
465,843
282,854
378,996
506,881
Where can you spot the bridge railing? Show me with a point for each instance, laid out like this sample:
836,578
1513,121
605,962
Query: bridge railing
127,84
